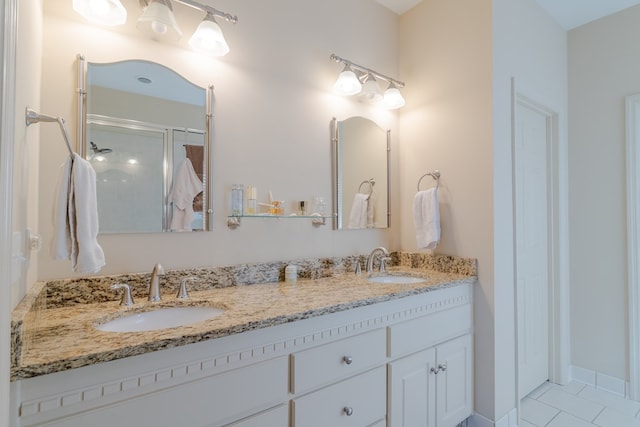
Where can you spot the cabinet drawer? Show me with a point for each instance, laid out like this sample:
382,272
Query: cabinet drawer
276,417
330,362
414,335
356,402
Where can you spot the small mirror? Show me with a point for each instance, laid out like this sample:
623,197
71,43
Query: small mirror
361,174
145,130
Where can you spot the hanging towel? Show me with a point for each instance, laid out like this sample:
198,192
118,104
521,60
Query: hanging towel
371,203
76,217
426,217
186,186
359,209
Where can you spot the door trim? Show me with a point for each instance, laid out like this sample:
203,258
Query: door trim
557,194
632,142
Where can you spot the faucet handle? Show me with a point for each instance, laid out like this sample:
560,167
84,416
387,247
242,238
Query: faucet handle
158,269
182,292
383,263
127,299
358,267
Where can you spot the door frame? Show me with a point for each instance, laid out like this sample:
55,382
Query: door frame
632,143
8,43
557,228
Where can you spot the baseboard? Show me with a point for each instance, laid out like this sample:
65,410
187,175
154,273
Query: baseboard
509,420
599,380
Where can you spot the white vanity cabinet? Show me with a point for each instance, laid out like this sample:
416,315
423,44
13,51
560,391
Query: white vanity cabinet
367,366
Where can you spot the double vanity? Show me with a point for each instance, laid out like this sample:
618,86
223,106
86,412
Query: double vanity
332,349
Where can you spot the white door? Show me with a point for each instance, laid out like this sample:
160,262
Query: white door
532,251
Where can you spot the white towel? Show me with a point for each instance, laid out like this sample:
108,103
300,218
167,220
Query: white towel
426,217
76,217
186,186
359,209
371,203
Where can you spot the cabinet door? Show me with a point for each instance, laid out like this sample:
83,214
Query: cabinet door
453,381
412,388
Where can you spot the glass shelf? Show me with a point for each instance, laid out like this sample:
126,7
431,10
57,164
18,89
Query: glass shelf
234,221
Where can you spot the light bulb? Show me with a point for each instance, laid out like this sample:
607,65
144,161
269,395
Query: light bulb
347,83
99,7
158,27
393,98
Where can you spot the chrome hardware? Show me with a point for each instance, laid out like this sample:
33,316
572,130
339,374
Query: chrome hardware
348,360
440,367
182,292
154,285
358,268
126,299
348,411
372,257
383,263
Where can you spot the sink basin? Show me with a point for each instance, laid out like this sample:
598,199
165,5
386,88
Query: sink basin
395,279
161,318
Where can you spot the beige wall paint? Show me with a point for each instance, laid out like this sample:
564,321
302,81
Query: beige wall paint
446,60
604,67
272,111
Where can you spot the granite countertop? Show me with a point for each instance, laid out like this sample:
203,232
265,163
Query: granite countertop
64,336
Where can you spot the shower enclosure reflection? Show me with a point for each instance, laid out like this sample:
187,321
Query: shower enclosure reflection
146,135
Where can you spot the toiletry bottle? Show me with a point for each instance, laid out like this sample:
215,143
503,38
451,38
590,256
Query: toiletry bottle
252,200
237,198
320,206
302,207
291,273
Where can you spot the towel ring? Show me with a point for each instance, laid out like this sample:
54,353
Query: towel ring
435,175
371,183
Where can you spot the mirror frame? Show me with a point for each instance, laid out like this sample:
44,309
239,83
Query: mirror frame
207,185
338,179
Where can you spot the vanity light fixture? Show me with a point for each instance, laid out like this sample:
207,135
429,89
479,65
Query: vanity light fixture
369,91
103,12
158,20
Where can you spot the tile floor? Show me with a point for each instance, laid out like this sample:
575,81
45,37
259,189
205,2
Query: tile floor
577,405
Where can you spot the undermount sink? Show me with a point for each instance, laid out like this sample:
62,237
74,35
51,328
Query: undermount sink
160,318
395,279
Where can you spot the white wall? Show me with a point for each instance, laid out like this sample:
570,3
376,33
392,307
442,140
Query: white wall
273,105
530,48
446,125
604,67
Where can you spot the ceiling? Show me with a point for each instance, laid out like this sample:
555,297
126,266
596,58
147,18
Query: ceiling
568,13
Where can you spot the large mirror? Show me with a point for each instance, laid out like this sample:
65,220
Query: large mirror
145,130
361,174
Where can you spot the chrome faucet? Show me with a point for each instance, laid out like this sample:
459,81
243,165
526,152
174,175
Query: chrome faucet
154,285
372,257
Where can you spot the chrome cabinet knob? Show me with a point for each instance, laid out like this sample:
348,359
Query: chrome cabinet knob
348,411
348,360
442,367
435,370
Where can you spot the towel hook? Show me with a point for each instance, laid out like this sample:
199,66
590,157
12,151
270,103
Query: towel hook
32,117
435,175
371,183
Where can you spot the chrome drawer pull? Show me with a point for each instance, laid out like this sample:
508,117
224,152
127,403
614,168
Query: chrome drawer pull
348,411
435,370
348,360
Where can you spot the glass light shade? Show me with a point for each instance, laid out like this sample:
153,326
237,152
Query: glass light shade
159,21
347,83
102,12
208,38
393,98
370,90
